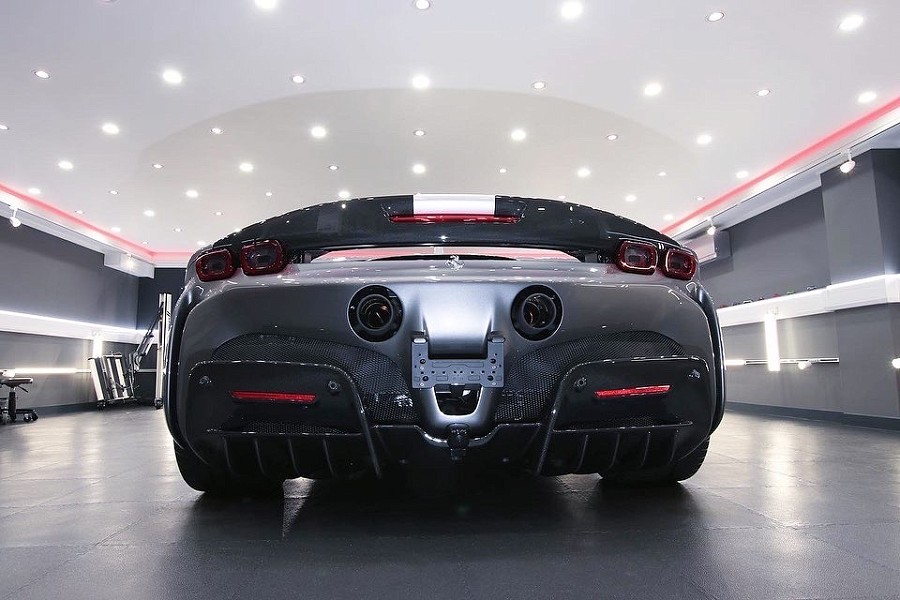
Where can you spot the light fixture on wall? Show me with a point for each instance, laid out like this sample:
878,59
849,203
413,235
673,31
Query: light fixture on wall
848,164
896,363
711,230
13,219
96,344
803,365
773,355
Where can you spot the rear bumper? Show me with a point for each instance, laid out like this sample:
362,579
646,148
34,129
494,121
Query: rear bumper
618,330
334,435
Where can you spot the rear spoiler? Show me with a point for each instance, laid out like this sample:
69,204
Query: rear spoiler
446,220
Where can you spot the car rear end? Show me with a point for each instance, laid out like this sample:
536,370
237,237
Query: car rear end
285,365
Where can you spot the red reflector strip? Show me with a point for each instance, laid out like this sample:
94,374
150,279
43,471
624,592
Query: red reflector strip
647,390
454,219
274,397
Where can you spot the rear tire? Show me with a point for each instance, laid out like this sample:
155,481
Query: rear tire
669,475
204,478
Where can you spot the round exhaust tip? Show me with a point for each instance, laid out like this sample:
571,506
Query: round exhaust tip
375,313
536,313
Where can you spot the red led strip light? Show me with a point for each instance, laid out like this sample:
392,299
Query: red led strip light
633,392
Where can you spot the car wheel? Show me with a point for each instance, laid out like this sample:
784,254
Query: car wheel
681,470
204,478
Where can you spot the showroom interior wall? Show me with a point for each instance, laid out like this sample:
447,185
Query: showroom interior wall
50,277
843,232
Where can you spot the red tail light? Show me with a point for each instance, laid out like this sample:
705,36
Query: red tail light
637,257
249,396
261,258
454,219
633,392
215,265
680,264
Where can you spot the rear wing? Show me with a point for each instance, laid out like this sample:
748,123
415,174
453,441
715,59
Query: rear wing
586,233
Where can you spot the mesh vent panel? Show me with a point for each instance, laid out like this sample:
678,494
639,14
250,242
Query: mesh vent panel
385,394
532,379
624,422
268,427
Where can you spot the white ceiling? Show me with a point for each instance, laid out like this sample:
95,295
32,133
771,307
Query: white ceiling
105,61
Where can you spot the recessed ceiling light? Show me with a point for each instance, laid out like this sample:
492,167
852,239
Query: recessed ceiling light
115,229
113,192
172,77
157,165
79,212
763,92
216,131
419,132
571,10
703,139
42,74
4,127
630,198
177,230
218,213
715,16
867,97
583,172
502,170
268,194
246,167
851,23
298,79
539,85
742,174
561,197
318,132
662,173
65,165
149,213
518,135
333,167
418,168
192,194
110,128
343,194
420,82
422,4
34,191
266,4
652,89
700,198
201,243
612,137
145,243
669,217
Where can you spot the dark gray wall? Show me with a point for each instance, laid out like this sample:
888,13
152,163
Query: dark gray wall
887,188
854,237
57,278
22,350
847,230
866,337
780,250
816,388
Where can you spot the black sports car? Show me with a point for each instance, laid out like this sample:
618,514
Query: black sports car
428,330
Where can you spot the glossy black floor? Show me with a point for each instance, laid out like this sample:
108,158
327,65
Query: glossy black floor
92,506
